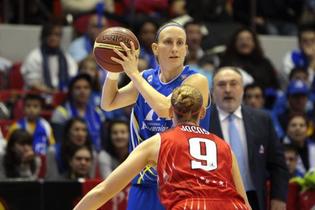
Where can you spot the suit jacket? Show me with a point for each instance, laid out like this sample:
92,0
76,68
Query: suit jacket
265,153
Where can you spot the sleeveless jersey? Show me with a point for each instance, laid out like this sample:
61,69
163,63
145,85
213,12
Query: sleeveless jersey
144,122
195,166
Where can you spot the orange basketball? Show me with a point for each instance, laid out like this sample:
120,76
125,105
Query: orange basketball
108,40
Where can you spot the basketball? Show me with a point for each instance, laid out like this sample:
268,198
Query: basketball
108,40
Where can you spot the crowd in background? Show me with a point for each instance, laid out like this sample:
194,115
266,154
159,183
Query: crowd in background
74,138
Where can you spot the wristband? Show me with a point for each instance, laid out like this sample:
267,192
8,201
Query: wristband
112,75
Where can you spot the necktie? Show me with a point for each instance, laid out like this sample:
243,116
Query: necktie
237,147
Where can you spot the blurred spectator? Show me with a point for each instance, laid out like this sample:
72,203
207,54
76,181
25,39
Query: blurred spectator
48,68
4,111
177,8
297,136
271,17
115,149
308,13
80,163
19,159
194,39
196,57
83,45
156,8
5,66
146,34
77,104
89,66
304,56
75,133
178,12
34,12
3,142
280,98
291,158
34,124
254,96
297,98
244,51
209,10
77,7
299,73
215,17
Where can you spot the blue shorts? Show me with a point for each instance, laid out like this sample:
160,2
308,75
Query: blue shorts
144,198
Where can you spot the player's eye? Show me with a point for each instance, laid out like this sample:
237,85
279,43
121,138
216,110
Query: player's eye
168,42
180,43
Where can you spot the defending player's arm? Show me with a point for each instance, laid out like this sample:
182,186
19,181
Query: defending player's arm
238,180
156,100
145,153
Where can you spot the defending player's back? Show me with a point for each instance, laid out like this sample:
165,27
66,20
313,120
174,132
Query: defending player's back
198,163
196,169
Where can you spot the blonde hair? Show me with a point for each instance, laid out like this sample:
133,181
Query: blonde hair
186,101
172,23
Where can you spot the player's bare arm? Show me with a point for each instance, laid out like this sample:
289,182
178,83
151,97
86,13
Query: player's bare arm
238,180
201,83
114,98
157,101
146,153
161,103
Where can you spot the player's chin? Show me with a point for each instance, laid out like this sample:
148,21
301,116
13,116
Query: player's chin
175,62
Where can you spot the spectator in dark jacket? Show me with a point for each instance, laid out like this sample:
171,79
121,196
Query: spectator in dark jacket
244,51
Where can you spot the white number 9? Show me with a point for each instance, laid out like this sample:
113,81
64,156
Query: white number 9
207,161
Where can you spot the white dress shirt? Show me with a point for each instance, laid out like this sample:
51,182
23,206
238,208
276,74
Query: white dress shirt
224,122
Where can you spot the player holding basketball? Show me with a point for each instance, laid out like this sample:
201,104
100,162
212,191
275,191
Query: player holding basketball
196,169
150,93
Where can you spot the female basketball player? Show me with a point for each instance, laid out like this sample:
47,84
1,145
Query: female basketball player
149,92
196,169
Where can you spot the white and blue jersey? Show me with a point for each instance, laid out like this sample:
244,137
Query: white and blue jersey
145,123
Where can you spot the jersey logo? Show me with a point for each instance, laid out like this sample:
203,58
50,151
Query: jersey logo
152,116
154,123
149,79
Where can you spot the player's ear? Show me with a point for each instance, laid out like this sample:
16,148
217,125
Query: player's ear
154,48
202,113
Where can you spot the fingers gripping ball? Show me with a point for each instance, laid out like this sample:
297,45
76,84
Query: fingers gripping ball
110,39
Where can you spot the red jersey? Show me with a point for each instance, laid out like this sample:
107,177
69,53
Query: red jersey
195,170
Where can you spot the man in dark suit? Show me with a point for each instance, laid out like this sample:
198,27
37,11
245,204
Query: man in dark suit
259,152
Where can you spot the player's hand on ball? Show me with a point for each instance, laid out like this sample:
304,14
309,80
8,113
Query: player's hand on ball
129,61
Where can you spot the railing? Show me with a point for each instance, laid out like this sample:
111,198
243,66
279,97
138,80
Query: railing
44,195
63,195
